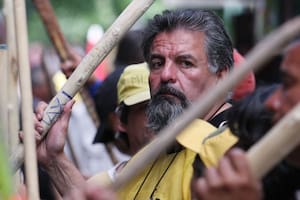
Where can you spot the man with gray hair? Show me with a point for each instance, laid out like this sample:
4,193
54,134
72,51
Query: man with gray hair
188,52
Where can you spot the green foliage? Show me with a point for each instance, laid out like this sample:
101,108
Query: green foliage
75,16
6,190
119,5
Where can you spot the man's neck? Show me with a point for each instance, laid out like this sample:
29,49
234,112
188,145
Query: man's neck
218,108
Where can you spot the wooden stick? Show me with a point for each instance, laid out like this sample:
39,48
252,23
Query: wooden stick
86,67
26,102
3,95
46,13
12,74
258,55
13,78
276,144
62,48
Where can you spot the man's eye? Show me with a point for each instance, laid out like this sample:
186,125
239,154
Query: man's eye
156,64
186,64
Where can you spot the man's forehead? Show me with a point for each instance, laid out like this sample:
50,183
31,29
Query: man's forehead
177,41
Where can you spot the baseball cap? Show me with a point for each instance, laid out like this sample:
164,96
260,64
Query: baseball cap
133,85
129,85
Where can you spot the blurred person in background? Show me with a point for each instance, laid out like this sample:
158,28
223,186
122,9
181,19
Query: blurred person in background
237,181
128,52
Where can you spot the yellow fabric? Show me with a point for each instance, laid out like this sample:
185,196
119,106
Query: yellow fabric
192,135
175,184
59,79
101,179
133,85
211,147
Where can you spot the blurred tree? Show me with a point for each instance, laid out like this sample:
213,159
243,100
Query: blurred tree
120,5
75,16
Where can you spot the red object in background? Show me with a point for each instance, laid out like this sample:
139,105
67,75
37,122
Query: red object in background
247,85
95,32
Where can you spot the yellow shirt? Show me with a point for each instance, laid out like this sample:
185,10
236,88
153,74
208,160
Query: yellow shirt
166,178
170,175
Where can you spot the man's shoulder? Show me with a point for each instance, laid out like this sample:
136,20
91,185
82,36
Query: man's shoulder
207,141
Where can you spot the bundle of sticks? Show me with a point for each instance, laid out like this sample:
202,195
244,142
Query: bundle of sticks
259,55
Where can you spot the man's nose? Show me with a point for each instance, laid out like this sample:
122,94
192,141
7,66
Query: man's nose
272,103
169,73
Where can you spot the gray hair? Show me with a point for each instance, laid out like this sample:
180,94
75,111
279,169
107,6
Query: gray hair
218,45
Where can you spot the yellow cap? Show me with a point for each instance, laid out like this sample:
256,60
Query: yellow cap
133,85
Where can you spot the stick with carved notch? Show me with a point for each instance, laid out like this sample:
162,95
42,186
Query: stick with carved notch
86,67
62,48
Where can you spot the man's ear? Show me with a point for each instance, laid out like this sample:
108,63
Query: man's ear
117,125
221,74
122,127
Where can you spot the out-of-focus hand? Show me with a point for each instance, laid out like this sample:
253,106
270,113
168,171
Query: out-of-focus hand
230,180
91,192
69,66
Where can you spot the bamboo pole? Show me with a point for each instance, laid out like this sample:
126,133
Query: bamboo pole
12,91
256,58
86,67
46,13
12,74
276,144
62,48
26,102
3,95
48,17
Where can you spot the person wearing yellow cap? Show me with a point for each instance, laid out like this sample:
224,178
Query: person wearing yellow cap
133,94
133,98
188,52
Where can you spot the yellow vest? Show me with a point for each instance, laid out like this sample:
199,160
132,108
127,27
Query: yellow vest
170,175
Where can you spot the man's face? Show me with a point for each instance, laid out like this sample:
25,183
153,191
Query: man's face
287,96
178,59
138,134
179,75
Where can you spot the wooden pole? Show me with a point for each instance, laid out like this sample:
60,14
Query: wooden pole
256,58
86,67
26,102
3,95
12,74
48,17
13,78
62,48
276,144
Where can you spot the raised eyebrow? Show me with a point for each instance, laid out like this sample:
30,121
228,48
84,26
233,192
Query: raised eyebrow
185,57
152,56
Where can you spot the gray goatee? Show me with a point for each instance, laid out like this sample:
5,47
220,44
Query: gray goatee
162,109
